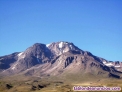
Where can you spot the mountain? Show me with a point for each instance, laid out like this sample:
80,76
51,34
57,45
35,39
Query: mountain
57,59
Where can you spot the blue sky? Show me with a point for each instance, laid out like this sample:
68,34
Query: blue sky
92,25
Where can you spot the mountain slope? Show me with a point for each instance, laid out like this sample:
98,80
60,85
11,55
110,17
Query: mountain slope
36,54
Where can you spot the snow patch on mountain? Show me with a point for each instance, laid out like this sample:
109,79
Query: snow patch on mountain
71,47
109,64
60,44
20,54
47,45
104,62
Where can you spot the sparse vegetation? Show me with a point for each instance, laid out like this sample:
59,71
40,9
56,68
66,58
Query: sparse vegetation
9,86
54,84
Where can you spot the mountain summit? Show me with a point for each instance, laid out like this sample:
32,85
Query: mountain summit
57,59
61,47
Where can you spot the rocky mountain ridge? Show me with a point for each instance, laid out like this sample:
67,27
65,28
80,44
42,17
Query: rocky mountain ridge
57,58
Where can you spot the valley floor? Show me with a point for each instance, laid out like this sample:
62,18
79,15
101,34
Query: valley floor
53,84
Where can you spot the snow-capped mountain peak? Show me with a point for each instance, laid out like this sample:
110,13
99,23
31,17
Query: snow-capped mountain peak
61,47
62,44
